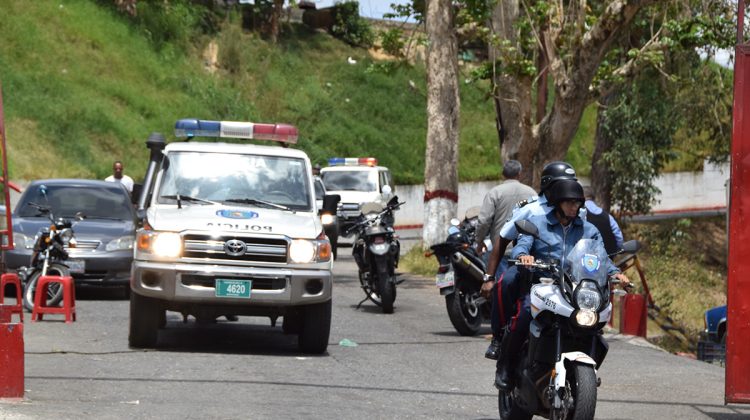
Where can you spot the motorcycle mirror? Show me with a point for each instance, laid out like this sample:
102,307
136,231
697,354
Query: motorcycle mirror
527,228
631,246
455,222
80,216
393,201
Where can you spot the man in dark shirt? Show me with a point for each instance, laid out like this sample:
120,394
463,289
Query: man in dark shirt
607,225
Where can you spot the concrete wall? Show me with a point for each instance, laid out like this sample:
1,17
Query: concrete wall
680,191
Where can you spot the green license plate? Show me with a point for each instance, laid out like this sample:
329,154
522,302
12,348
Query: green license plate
233,288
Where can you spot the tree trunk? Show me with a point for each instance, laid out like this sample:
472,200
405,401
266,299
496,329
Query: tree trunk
600,174
443,104
278,8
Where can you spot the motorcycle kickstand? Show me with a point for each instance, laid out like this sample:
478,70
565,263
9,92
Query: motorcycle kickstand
361,302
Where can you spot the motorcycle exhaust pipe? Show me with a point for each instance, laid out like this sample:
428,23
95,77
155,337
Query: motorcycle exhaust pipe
460,261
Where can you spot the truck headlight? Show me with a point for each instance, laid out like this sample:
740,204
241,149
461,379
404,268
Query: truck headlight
162,244
302,251
123,242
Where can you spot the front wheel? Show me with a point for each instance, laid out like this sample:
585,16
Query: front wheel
463,312
146,317
315,328
581,383
54,290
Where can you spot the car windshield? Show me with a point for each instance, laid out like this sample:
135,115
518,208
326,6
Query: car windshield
350,180
200,178
67,200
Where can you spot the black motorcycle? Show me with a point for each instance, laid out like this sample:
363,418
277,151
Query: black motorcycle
376,251
459,275
49,257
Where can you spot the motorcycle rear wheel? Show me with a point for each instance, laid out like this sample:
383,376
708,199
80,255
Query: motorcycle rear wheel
508,408
54,290
465,320
387,289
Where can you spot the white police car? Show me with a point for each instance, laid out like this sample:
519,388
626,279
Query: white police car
230,229
357,181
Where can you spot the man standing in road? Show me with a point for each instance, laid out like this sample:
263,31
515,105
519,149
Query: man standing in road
607,225
118,176
497,206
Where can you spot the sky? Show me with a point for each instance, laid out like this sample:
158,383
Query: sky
368,8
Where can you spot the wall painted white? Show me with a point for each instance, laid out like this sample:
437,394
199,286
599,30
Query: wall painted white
706,190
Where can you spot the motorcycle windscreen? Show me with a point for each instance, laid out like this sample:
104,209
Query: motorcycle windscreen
588,260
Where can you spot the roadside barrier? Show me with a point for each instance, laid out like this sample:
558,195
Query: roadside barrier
11,355
69,298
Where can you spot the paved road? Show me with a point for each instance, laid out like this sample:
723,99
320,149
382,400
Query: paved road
407,365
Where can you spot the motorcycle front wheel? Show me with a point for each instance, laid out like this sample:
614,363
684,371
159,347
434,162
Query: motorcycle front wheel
508,407
465,316
581,386
54,290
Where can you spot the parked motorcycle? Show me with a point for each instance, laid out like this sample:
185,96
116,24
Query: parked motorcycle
49,257
556,376
459,275
376,252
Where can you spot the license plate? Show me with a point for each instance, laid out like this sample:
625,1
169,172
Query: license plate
233,288
76,266
445,279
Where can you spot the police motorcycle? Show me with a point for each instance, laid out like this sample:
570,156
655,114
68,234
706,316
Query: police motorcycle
49,257
556,376
376,251
459,275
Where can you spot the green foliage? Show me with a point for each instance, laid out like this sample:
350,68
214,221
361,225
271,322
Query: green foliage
641,126
170,22
415,262
392,42
349,26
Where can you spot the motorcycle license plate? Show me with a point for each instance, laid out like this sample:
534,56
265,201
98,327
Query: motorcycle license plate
444,279
76,266
233,288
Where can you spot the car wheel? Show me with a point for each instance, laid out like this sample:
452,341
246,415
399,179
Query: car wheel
146,315
315,328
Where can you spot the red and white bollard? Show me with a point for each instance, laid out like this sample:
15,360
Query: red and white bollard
11,355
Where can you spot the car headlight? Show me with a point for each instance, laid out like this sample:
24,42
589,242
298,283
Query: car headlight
587,296
326,218
302,251
121,243
21,241
162,244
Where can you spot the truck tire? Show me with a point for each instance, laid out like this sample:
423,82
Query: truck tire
315,328
146,315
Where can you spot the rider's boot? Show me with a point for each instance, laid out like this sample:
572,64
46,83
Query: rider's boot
504,372
493,350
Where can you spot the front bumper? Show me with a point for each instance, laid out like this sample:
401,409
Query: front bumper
195,284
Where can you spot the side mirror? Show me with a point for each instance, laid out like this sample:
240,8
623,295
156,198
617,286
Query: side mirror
141,214
80,216
393,201
631,246
527,228
330,203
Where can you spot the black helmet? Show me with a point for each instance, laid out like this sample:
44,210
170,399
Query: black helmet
555,171
565,189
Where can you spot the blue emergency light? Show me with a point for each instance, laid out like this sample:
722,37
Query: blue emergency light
339,161
190,127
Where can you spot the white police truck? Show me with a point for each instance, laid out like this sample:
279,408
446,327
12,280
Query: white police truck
357,181
230,229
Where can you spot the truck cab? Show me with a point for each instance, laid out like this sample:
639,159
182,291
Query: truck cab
356,181
230,229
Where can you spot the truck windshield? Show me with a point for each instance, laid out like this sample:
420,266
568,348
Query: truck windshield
234,178
350,180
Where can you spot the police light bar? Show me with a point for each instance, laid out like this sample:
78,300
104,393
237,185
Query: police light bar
368,161
284,133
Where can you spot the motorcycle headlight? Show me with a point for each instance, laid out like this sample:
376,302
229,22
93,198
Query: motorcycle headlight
586,318
162,244
302,251
21,241
66,235
326,218
587,296
123,242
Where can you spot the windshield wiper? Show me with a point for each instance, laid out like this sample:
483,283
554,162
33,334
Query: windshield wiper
103,217
256,202
180,197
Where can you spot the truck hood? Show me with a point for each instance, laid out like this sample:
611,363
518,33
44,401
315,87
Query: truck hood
357,197
235,219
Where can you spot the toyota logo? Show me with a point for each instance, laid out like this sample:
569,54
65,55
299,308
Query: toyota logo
234,248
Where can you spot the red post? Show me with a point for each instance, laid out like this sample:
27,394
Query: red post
633,315
11,356
737,381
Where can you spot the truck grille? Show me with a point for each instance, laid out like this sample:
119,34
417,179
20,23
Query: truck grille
251,249
259,283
